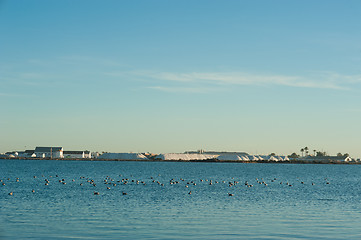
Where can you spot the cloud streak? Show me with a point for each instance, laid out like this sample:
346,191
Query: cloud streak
325,80
85,69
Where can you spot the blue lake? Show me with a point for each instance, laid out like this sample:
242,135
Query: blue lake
286,201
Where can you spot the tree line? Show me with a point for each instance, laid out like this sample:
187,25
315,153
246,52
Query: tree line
305,152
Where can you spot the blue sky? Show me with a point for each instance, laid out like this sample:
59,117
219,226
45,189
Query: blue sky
170,76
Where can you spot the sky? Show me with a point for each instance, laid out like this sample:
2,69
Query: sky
172,76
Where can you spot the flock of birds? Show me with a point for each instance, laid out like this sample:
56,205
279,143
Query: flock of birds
111,183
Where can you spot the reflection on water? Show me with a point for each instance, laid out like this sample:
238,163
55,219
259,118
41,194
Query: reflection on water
178,200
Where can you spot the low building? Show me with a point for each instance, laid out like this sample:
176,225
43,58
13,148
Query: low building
49,152
30,153
77,154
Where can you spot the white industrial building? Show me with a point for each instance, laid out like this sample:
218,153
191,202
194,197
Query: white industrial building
49,152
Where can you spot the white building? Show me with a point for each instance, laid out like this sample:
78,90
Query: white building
49,152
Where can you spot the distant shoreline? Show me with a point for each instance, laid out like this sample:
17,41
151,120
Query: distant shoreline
207,161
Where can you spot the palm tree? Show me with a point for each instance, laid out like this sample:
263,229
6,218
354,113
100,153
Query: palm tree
302,150
314,152
306,150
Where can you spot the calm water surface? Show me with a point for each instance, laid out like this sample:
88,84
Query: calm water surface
159,205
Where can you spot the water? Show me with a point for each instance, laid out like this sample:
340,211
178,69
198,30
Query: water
329,209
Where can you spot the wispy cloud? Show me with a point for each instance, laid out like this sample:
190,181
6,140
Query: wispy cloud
324,80
89,69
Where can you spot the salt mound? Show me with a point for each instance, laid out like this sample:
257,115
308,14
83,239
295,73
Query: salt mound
230,157
185,156
123,156
253,158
